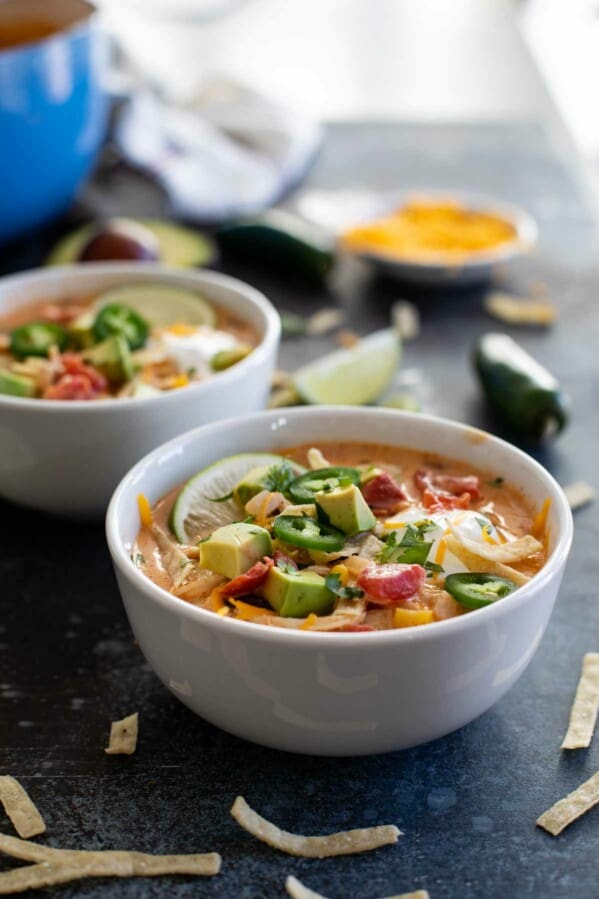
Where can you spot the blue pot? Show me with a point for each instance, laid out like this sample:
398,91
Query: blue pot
53,115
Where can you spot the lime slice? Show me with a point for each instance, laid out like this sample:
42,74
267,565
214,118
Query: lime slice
195,514
352,377
161,304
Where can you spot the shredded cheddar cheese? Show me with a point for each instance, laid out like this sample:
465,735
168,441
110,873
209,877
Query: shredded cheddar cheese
224,610
441,550
178,381
216,600
309,622
181,329
343,573
145,511
412,617
427,228
247,612
539,525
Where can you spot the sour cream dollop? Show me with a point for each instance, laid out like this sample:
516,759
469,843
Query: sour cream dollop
195,348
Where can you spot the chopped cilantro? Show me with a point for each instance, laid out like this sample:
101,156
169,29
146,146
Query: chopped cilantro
413,549
250,519
279,477
333,582
433,568
184,563
496,482
138,559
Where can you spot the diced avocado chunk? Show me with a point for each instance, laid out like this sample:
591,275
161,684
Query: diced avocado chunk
234,548
226,358
113,358
250,484
297,594
16,385
346,509
81,330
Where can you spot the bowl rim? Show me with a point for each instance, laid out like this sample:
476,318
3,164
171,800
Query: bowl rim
225,626
526,237
272,330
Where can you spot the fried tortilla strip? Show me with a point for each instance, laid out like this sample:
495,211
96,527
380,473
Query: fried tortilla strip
505,553
345,843
23,814
579,494
298,891
475,562
316,459
583,715
55,866
123,736
520,310
567,810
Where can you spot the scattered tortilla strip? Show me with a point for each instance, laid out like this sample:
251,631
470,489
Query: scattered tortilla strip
520,310
506,553
475,562
53,866
123,736
298,891
316,459
327,319
579,494
567,810
583,715
344,843
23,814
405,318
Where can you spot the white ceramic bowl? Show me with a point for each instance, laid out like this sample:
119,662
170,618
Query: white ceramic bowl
66,457
336,694
337,211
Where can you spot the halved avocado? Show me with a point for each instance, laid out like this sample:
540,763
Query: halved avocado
179,246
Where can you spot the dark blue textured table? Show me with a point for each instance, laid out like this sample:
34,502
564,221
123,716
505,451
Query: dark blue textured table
466,804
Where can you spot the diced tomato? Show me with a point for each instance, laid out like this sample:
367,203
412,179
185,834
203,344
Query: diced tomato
383,494
456,485
71,387
246,583
358,628
390,583
278,556
443,502
74,365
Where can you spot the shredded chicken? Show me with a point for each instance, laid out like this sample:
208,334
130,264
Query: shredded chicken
175,561
266,504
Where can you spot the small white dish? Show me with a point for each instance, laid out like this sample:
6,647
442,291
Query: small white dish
66,457
343,693
337,211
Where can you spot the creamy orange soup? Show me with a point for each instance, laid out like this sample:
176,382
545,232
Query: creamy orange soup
344,537
88,349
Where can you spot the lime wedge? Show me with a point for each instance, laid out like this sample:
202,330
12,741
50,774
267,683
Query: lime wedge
161,304
354,376
195,514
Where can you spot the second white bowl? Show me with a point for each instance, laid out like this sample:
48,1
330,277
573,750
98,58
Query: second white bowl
66,457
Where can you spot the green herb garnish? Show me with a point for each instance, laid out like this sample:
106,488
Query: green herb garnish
413,548
333,583
279,477
496,482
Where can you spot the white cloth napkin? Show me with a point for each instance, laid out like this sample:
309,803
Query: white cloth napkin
230,153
